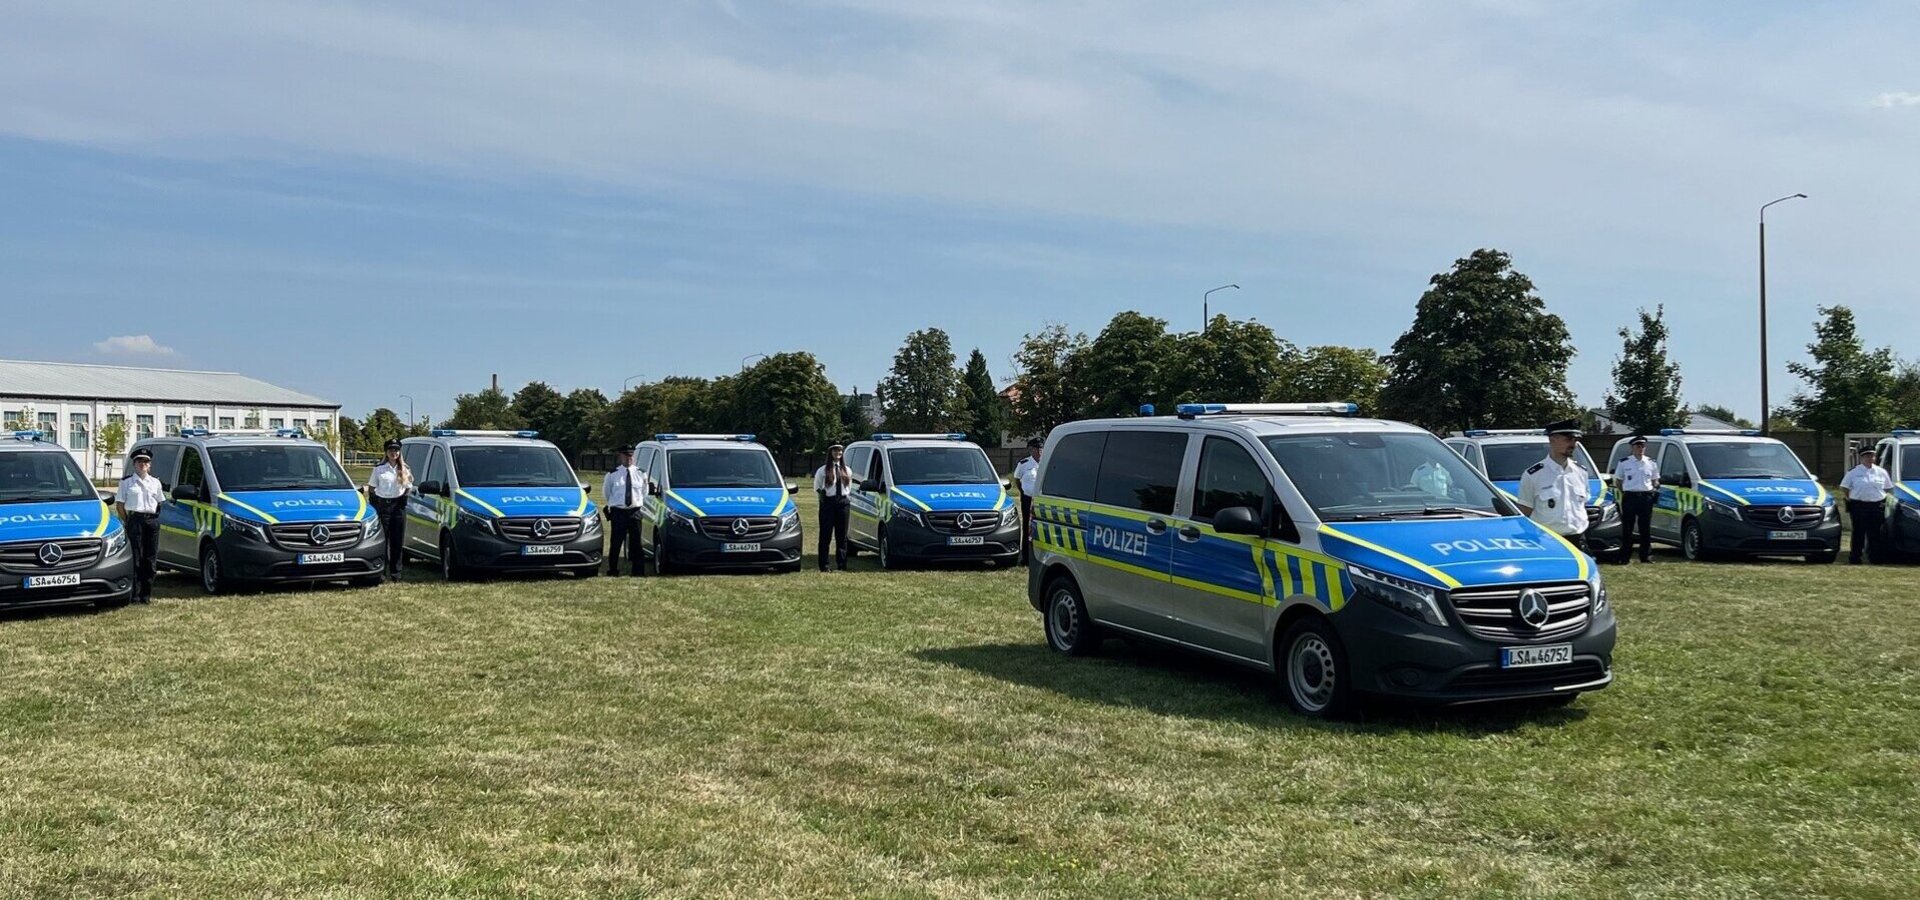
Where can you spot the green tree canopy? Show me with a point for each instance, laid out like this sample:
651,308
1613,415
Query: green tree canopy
922,393
1230,362
488,410
1724,414
788,402
110,439
349,434
1332,372
1905,396
986,409
1482,352
1646,382
1849,388
1044,388
1132,361
381,426
855,422
573,429
538,406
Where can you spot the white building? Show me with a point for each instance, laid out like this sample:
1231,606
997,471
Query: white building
72,402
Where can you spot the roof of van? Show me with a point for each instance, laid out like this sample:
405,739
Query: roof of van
705,444
912,443
231,440
1260,425
473,439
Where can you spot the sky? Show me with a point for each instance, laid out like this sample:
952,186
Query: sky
368,199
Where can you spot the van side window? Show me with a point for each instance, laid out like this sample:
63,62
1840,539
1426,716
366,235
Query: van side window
166,464
1228,477
436,466
1673,464
1141,470
415,456
657,467
1073,466
877,471
644,459
857,460
191,470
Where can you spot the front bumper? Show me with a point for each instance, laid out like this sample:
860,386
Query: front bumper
479,549
1393,655
1720,534
1903,530
1605,537
107,581
693,550
920,542
248,559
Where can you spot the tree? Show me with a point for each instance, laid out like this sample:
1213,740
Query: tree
1228,362
579,419
1646,383
986,409
923,392
1724,414
110,439
382,425
792,406
1044,390
1905,396
488,410
1132,361
349,434
1482,352
677,403
538,406
1850,387
1332,372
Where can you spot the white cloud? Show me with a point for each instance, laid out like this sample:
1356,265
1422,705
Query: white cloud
132,345
1896,98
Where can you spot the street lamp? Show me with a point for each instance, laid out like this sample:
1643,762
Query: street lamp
1765,411
410,420
743,359
1205,310
629,382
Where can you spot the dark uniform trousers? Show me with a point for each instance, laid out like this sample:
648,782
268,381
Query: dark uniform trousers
143,538
623,526
1636,509
393,520
834,512
1867,517
1026,527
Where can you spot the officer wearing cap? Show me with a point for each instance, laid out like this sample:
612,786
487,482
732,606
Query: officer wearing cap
387,489
1554,491
1028,474
834,484
1639,478
1867,486
625,490
138,501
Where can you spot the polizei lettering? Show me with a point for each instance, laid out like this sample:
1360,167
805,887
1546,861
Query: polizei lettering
532,498
956,495
282,504
1485,545
30,518
746,499
1128,542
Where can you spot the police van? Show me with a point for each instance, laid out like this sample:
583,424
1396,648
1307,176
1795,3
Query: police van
254,506
498,501
716,501
1298,540
926,497
1899,454
60,542
1505,455
1725,493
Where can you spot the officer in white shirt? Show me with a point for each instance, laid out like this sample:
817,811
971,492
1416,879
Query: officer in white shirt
138,501
1639,479
1554,491
1028,474
834,483
1867,486
387,489
625,490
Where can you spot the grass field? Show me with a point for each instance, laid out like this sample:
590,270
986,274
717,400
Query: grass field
908,735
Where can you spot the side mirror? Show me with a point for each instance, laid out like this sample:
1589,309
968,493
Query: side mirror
186,492
1683,481
432,489
1006,484
793,489
1238,520
653,489
873,486
107,498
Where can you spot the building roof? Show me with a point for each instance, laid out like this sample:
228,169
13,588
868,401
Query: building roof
1604,424
79,381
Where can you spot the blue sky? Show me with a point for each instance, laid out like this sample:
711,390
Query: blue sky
364,200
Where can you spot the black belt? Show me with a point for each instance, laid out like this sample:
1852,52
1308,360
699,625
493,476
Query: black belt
141,515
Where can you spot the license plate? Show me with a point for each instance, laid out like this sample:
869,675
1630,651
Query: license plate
311,559
965,541
1787,535
542,549
1545,655
39,581
739,548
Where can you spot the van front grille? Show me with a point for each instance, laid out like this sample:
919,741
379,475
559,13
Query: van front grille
24,557
316,535
969,522
752,528
555,530
1494,613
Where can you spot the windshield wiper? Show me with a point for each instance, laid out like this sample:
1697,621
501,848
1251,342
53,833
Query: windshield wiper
1445,511
46,498
1359,517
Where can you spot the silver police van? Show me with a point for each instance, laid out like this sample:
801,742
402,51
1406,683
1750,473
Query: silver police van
498,501
928,497
60,542
716,501
1737,493
1344,555
253,506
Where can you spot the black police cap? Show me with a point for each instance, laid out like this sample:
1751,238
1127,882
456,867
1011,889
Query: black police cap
1638,439
392,444
1566,426
142,453
1035,442
623,450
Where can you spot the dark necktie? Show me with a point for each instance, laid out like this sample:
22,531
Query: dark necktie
629,474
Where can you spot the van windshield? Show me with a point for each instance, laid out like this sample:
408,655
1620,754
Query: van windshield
1353,477
1745,459
1508,460
278,467
507,465
941,465
30,477
721,468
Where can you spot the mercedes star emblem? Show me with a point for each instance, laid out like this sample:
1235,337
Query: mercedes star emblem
965,521
1533,608
542,528
740,527
1786,515
51,554
319,534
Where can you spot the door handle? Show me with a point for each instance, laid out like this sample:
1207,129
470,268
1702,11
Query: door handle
1155,526
1189,533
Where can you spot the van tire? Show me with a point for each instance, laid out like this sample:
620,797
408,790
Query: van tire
887,558
659,556
1314,675
1069,629
450,568
213,576
1693,542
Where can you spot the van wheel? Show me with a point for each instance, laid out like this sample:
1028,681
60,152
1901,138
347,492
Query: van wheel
450,568
1693,543
660,564
1069,629
213,579
887,559
1313,670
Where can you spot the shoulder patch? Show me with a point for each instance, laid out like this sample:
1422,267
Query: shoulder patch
1536,467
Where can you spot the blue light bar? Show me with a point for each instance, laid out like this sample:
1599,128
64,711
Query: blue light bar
1146,409
1907,432
949,436
195,432
30,435
1190,410
742,438
1746,432
468,432
1489,432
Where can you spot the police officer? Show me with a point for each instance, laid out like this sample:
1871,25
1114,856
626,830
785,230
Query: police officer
625,490
1028,474
1867,486
1639,478
138,502
387,488
1554,491
834,484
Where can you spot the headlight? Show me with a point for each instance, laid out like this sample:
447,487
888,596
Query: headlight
373,528
1609,512
790,522
910,516
1833,512
1600,602
682,521
1409,598
244,527
589,524
1009,515
1724,510
117,544
481,522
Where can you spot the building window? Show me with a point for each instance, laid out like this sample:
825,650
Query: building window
226,423
173,426
300,424
200,421
276,423
143,426
77,431
50,425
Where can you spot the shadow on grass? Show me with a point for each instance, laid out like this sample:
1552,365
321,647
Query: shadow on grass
1169,682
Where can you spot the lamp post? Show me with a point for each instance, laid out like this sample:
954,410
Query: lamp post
410,421
1766,417
743,359
1206,312
625,385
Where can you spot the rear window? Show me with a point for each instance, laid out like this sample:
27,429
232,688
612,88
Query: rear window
1073,466
1141,470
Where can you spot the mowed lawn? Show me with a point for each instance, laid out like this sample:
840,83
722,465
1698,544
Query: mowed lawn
908,735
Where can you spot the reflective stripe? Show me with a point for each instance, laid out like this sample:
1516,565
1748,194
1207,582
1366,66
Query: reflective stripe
263,516
104,517
581,510
482,504
911,498
1579,557
1442,577
1736,497
361,513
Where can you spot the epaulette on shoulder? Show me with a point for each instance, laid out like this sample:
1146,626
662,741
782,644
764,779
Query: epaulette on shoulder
1536,467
